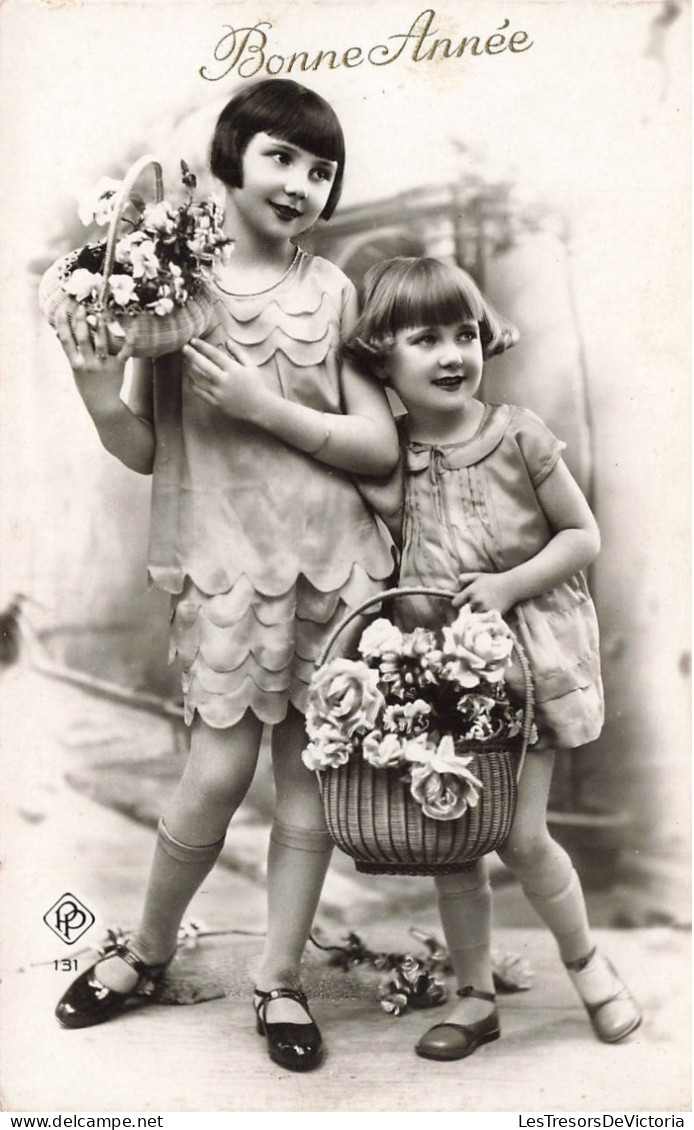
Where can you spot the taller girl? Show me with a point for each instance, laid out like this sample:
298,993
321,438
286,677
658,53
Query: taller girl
257,532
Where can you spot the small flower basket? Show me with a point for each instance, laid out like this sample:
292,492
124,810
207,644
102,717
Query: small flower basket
153,275
417,745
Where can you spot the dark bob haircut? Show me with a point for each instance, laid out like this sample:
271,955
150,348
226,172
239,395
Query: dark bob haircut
285,110
403,293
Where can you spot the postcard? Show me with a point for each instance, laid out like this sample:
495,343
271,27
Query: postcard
541,147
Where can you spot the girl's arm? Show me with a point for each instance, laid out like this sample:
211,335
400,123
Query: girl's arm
386,497
362,440
99,378
575,544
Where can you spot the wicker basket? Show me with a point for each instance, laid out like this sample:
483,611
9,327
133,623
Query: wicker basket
372,816
152,335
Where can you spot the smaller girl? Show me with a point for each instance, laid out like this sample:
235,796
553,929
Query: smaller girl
484,503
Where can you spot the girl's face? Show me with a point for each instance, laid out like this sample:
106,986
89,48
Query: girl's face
436,368
285,188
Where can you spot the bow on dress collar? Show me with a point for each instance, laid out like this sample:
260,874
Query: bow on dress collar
421,457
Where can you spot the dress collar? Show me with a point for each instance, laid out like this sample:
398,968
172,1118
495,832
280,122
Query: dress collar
452,456
266,290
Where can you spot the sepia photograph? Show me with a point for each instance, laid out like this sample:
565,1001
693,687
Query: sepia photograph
345,559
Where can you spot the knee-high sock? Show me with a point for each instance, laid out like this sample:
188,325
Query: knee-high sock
298,859
554,891
553,888
176,874
465,906
178,870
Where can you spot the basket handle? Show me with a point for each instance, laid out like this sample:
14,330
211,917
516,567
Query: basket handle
378,598
130,179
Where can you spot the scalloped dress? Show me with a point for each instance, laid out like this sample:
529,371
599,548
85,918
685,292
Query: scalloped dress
473,507
263,548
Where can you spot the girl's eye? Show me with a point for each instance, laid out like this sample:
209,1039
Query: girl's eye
281,157
425,339
323,174
468,335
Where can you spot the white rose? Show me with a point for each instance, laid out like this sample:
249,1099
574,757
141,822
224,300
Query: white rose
328,750
382,752
441,781
380,638
476,646
345,696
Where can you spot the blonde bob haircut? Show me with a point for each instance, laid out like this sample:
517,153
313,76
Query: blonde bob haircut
405,293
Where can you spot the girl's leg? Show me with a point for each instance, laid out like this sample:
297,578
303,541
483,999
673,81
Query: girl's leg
541,865
552,887
298,858
465,905
218,773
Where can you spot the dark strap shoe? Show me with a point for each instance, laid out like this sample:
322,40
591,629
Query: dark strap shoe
616,1017
88,1001
456,1041
298,1047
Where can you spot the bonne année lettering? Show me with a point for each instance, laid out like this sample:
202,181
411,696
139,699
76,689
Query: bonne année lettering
248,51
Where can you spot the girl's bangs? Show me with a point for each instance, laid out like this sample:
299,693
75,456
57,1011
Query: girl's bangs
438,298
311,127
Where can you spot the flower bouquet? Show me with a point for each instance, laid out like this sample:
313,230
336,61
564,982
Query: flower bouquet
153,274
414,742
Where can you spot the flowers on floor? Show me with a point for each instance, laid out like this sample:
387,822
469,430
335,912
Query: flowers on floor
411,700
411,981
408,981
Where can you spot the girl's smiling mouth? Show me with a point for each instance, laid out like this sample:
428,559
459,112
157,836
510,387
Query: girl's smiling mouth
451,382
285,212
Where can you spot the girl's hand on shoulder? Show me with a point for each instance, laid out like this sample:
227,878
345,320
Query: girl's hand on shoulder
224,378
485,592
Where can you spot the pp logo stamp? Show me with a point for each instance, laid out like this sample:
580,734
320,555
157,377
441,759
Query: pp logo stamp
69,918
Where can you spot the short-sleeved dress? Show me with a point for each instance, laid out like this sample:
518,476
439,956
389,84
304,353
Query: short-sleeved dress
263,548
473,507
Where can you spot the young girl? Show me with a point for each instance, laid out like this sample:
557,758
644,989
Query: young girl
258,532
488,507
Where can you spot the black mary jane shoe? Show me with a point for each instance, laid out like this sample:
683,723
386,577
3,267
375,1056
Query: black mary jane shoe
456,1041
88,1001
298,1047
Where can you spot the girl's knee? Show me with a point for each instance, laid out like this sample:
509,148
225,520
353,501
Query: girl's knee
525,851
301,807
208,787
222,763
217,781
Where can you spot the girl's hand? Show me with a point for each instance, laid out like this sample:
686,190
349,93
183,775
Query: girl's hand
485,592
87,349
224,378
574,544
99,379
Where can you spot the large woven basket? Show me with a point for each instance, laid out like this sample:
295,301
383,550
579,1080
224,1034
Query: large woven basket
152,335
372,816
